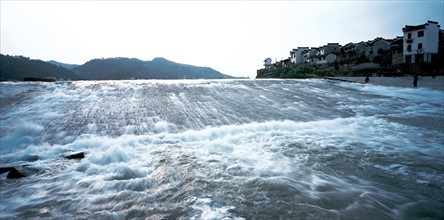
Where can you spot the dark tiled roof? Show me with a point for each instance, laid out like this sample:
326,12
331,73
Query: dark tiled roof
412,28
418,27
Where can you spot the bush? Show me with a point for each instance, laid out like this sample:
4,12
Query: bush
322,72
303,72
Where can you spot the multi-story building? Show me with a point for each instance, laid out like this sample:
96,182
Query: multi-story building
267,63
420,43
296,55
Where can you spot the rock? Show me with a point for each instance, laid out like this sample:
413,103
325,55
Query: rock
76,155
14,174
5,169
18,172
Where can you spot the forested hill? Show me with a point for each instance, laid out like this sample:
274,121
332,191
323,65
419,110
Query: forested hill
115,69
179,71
19,67
131,68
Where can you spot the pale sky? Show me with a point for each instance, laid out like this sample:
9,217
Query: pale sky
233,37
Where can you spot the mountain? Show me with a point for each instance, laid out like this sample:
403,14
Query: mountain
19,67
115,69
131,68
64,65
174,70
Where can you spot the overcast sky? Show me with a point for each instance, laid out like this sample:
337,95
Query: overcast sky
233,37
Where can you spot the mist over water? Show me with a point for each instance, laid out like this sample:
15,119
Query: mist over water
241,149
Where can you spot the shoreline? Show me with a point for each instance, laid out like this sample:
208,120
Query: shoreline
405,81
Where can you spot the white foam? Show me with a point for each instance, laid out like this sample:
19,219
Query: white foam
24,134
414,94
162,127
129,163
211,210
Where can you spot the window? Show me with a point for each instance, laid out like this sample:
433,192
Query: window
420,33
409,47
420,46
409,36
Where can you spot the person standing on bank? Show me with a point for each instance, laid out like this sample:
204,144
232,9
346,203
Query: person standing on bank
415,80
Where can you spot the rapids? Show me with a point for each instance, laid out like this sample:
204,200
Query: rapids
222,149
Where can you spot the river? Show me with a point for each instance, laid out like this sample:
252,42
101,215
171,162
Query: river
222,149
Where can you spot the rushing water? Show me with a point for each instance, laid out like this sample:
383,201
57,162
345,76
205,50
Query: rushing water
237,149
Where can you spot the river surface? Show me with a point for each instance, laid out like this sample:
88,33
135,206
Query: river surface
222,149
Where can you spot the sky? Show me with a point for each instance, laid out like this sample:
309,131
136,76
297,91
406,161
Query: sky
233,37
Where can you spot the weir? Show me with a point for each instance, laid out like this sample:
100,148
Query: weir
221,149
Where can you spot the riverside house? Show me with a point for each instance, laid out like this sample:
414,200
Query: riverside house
267,63
377,47
421,43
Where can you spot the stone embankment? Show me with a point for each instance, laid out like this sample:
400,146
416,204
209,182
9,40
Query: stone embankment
436,83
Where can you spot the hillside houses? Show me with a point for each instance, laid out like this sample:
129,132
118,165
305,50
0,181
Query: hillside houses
419,44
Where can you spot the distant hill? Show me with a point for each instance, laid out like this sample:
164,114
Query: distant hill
115,69
64,65
179,71
131,68
19,67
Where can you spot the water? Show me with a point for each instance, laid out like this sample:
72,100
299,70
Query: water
222,149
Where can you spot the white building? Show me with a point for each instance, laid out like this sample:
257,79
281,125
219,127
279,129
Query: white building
420,43
296,55
267,63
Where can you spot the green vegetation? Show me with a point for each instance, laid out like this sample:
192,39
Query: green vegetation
294,72
114,69
131,68
16,68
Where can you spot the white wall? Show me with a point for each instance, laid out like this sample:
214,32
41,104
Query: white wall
267,62
429,41
431,38
296,56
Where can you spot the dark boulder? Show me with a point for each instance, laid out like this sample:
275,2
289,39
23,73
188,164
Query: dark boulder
76,155
18,172
5,169
14,174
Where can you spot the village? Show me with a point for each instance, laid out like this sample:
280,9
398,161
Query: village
419,51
